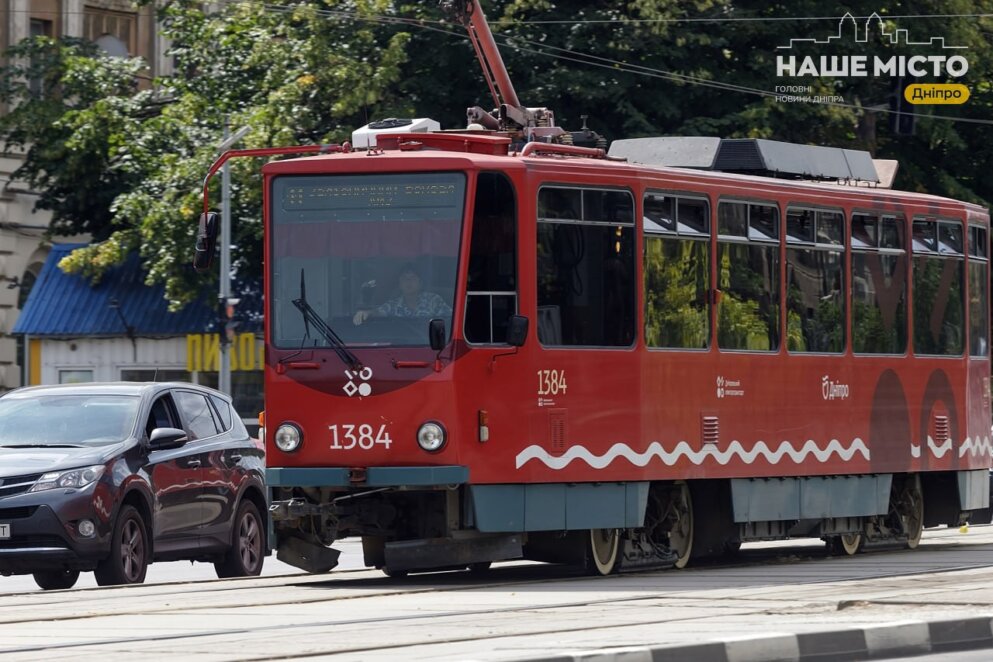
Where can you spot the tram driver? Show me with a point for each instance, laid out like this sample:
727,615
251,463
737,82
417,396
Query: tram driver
413,301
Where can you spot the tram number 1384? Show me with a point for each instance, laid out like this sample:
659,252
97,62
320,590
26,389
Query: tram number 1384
347,436
551,382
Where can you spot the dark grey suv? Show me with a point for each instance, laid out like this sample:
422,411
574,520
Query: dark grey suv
108,477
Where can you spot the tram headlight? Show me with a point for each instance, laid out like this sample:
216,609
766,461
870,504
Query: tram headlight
288,437
431,436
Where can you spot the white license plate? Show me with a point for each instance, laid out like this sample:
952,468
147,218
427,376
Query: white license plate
4,531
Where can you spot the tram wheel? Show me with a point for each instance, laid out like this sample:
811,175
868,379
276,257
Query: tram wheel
601,558
847,544
910,508
680,514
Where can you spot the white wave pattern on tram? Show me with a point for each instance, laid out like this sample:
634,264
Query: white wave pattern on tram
683,449
936,450
974,447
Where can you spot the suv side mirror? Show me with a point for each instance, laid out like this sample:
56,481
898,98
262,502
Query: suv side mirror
436,334
206,241
166,438
517,330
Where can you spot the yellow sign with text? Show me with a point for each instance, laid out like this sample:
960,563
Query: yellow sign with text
936,93
203,352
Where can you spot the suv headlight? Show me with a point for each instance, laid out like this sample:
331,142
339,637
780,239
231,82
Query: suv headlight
66,479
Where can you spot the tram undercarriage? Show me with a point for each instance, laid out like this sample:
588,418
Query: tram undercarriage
409,530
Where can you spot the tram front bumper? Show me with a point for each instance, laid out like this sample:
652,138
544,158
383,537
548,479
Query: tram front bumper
366,476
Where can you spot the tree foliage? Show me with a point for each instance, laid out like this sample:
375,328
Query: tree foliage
122,157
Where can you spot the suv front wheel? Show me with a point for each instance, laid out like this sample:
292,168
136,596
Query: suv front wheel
51,580
244,557
128,560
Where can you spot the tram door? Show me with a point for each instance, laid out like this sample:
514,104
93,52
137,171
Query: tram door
491,291
491,300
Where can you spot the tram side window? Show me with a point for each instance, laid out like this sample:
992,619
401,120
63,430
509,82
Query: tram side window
491,294
748,276
677,271
586,294
979,292
879,284
938,266
815,299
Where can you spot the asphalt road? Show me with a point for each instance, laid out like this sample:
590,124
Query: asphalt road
184,571
769,596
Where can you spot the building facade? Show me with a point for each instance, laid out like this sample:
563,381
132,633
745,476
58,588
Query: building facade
120,29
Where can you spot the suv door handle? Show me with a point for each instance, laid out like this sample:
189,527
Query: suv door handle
193,464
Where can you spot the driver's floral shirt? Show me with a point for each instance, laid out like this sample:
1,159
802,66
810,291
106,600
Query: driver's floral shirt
429,304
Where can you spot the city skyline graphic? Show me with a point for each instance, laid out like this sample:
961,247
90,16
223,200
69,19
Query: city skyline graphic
860,35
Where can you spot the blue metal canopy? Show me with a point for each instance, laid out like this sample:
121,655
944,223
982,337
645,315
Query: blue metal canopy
62,304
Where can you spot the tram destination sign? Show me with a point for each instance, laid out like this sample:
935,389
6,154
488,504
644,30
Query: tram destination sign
351,198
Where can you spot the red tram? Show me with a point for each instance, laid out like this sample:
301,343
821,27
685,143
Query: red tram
479,349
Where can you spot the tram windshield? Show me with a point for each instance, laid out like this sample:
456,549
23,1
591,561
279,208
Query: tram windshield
374,256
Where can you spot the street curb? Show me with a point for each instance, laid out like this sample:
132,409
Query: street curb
876,641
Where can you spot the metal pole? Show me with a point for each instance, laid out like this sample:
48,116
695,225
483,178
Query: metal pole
224,369
477,21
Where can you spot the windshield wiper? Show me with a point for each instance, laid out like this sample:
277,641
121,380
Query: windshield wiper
310,316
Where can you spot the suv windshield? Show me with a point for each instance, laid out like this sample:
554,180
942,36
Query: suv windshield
66,420
374,256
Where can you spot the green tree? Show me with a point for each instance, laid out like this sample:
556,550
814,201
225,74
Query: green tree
708,67
71,112
127,166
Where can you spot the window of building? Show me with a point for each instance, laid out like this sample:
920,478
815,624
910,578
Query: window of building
116,33
491,297
677,270
979,292
879,284
154,375
586,290
75,376
28,279
39,28
42,28
938,271
748,276
815,289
